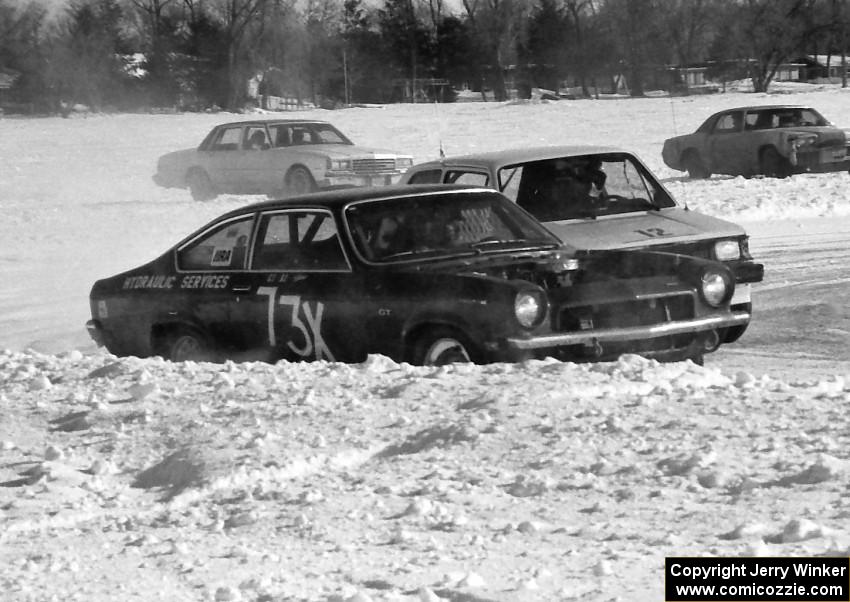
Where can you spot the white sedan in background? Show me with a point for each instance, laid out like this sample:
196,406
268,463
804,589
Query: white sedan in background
277,157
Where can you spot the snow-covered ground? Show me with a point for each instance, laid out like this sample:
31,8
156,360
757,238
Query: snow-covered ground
139,479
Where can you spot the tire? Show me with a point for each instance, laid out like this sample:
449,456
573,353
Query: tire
733,333
440,346
200,186
299,181
695,166
774,165
186,344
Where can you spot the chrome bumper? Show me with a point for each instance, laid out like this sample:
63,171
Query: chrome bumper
631,333
95,332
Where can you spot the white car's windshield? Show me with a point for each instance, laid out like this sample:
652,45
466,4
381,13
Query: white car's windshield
582,187
441,225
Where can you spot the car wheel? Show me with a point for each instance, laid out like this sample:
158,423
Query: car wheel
441,346
186,344
694,166
299,181
200,185
733,333
773,164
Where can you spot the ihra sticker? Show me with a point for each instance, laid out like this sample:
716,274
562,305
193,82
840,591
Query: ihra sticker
221,257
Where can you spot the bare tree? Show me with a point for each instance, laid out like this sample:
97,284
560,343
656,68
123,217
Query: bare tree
237,19
497,25
688,24
580,12
770,32
153,11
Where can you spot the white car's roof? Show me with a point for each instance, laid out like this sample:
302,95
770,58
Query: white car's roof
495,159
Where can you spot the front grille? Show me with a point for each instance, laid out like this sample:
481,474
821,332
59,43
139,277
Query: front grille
624,314
373,166
702,249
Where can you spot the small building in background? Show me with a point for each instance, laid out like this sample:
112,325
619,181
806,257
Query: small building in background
8,77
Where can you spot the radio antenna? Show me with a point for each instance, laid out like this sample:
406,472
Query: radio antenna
439,131
673,111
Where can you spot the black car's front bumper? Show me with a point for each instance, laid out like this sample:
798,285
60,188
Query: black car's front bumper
630,333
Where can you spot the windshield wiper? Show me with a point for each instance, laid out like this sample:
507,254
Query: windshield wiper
512,243
426,254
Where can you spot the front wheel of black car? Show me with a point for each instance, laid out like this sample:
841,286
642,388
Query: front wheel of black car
185,344
441,346
773,164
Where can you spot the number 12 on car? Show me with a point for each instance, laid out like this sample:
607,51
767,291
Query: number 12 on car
314,344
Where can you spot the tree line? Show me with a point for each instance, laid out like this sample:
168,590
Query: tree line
195,54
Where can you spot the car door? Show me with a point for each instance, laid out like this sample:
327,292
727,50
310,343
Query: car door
251,163
728,144
211,277
221,158
301,299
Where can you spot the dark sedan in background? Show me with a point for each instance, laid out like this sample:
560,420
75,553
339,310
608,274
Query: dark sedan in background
775,140
422,274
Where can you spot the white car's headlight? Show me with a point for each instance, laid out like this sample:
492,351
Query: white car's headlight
716,287
339,164
727,250
529,309
404,162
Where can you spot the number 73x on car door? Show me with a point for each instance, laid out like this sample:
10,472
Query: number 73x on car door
297,295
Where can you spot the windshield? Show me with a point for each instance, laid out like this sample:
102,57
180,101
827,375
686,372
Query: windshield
442,224
583,187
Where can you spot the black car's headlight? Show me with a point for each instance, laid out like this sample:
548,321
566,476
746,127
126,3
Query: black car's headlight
716,287
727,250
529,308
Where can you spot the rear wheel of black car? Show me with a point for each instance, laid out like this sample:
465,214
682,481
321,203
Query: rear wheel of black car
773,164
299,181
200,186
186,344
440,346
695,166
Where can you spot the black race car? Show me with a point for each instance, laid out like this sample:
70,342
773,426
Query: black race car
423,274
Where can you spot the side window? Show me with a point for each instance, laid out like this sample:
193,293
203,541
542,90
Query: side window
751,121
728,123
302,135
623,179
222,248
470,178
228,139
431,176
509,179
255,138
281,135
300,241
